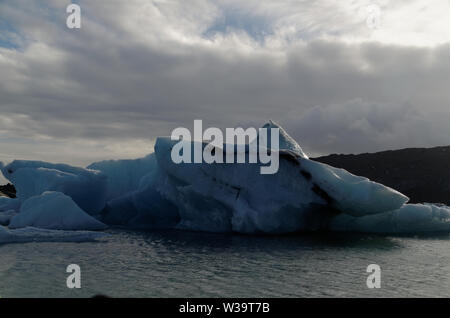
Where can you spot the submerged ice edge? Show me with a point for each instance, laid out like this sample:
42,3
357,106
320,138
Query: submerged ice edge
154,192
32,234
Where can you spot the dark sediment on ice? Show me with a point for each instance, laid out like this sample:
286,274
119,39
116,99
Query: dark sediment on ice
7,190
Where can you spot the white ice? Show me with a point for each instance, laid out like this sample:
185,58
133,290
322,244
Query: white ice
352,194
286,142
54,210
86,187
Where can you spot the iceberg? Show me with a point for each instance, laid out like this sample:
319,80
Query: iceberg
86,187
302,195
155,192
31,234
124,176
54,210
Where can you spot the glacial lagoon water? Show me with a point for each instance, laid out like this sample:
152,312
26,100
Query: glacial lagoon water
193,264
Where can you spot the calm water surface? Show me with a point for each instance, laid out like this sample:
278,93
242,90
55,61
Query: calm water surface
190,264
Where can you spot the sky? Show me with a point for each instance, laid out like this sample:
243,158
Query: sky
339,76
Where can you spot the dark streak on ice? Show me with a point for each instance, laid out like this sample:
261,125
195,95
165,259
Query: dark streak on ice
289,157
322,193
306,174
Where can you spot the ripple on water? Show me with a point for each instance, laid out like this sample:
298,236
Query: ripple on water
190,264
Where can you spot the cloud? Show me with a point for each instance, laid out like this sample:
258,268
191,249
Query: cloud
138,69
362,126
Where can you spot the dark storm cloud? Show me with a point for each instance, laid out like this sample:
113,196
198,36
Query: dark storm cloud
137,70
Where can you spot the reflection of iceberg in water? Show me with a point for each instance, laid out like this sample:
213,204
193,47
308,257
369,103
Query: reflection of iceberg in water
304,195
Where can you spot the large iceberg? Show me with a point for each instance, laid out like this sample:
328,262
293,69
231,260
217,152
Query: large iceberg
302,195
155,192
54,211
